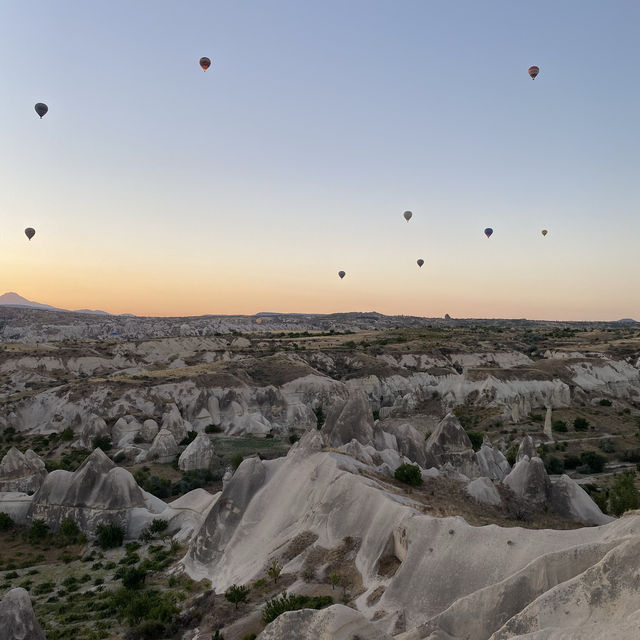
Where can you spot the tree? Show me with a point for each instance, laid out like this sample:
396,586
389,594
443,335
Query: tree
580,424
109,536
593,461
409,474
237,594
38,531
236,460
274,571
624,496
5,521
102,442
334,577
133,578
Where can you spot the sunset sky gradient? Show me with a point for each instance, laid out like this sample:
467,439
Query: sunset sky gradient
158,189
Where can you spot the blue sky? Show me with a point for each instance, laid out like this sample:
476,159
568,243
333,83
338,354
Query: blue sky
157,188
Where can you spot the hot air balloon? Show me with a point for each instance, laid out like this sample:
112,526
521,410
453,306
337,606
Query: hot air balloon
407,215
41,109
488,231
342,274
258,320
420,262
205,63
533,72
29,232
544,232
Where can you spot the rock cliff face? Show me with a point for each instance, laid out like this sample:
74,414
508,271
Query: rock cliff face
21,472
17,619
504,572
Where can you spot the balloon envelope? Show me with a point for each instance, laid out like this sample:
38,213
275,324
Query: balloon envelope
30,232
407,215
533,72
342,274
420,262
205,63
41,108
544,232
488,231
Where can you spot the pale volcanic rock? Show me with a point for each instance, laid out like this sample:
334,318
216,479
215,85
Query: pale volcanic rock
352,419
529,480
98,491
21,472
571,501
124,431
527,449
17,618
482,490
449,443
241,343
173,421
198,454
411,444
548,424
94,426
164,448
149,430
337,622
492,462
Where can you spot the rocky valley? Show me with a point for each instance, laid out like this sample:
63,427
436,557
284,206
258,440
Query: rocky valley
317,477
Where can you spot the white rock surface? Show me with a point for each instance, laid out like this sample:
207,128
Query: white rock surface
149,430
491,462
198,454
482,490
17,618
21,472
529,481
571,501
164,448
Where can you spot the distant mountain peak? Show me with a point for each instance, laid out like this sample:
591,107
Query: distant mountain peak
13,299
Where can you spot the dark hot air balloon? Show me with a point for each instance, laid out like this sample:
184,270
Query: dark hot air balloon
342,274
544,232
407,215
41,109
420,262
29,232
488,231
533,72
205,63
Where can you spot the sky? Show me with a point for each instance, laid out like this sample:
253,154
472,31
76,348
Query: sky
158,189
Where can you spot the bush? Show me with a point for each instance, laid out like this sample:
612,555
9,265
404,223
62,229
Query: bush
38,531
476,439
109,536
554,465
133,578
604,402
291,602
5,521
624,496
571,462
581,424
236,460
607,446
512,454
102,442
70,532
560,426
320,417
593,461
148,604
212,428
537,417
158,525
194,479
67,435
237,594
409,474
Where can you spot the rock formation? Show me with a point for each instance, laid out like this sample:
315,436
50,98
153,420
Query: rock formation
450,443
529,481
198,455
571,501
164,448
352,419
482,490
491,462
21,472
526,449
17,619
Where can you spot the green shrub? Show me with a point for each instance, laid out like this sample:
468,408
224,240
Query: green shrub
607,446
213,428
476,439
158,525
102,442
194,479
109,536
553,465
320,417
624,496
67,435
560,426
133,578
69,531
5,521
291,602
236,460
237,594
571,462
409,474
604,402
537,417
581,424
512,454
38,531
593,461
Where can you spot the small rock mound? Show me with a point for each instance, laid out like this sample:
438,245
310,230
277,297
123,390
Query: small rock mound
198,455
21,472
482,490
571,501
17,619
529,481
164,448
351,420
491,462
334,623
449,443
